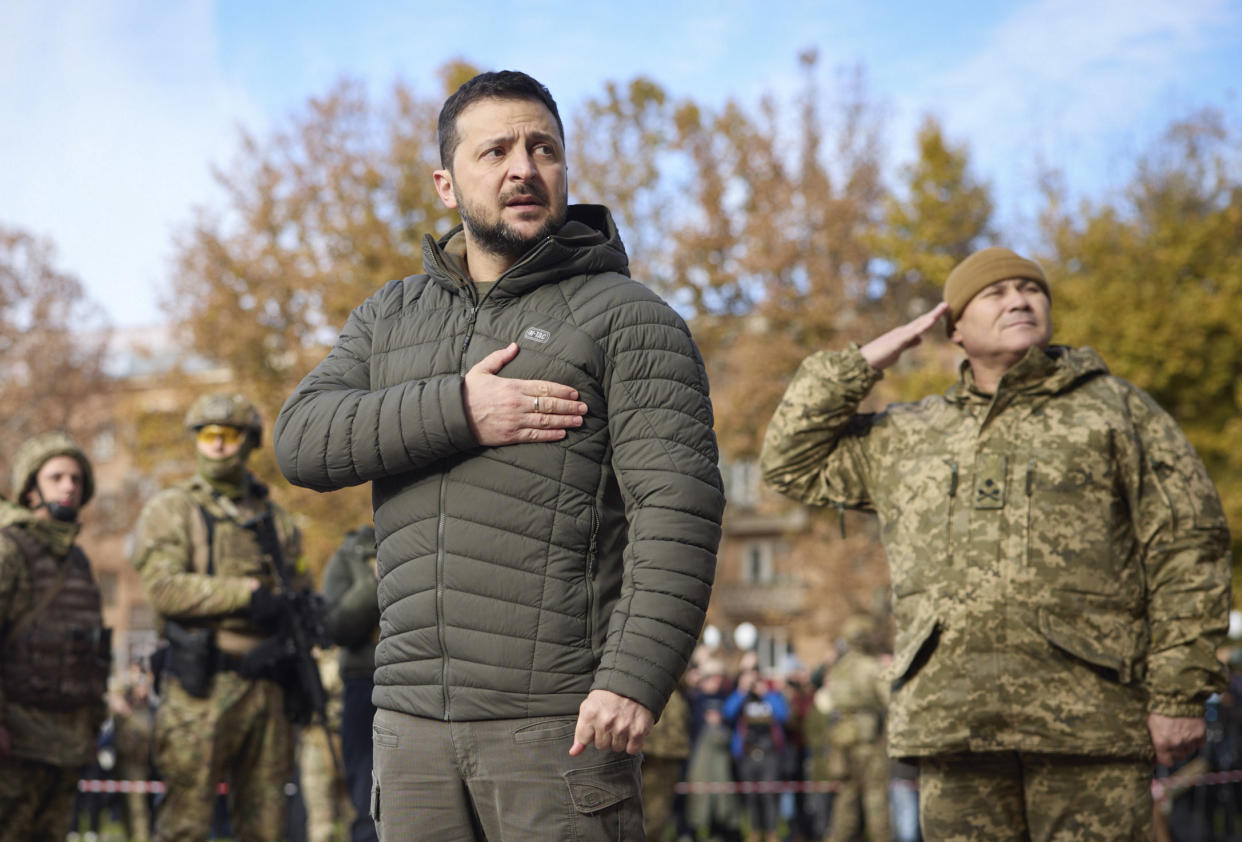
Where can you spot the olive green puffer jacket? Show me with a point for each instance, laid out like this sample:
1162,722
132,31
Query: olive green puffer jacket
514,580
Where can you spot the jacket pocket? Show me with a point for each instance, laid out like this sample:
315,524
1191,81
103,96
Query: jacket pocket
1072,511
913,648
592,550
1115,651
916,515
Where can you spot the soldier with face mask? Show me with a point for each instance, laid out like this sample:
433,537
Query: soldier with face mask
213,580
858,689
54,651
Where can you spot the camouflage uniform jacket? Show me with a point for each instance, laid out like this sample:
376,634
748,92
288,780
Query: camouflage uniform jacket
859,693
171,555
1059,557
670,736
63,738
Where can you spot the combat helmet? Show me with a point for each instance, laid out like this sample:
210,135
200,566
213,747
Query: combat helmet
32,455
857,631
229,409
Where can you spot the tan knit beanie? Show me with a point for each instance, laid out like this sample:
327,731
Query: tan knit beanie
984,268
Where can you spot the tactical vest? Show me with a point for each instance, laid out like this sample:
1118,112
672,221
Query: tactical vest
58,654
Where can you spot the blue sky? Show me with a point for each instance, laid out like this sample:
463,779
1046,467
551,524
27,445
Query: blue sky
112,113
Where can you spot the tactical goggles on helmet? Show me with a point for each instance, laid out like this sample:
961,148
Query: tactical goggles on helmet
208,433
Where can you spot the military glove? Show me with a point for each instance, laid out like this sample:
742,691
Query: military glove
265,608
262,660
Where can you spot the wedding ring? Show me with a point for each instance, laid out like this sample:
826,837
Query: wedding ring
536,403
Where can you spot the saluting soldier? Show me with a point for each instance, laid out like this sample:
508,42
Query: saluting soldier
1059,562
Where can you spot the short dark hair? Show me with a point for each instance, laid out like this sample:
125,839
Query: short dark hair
499,84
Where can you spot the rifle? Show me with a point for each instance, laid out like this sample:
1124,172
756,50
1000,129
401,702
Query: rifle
301,627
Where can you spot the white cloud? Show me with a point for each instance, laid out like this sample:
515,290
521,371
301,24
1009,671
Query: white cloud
1078,86
113,113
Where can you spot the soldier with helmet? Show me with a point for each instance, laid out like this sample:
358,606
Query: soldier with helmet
208,564
54,650
858,694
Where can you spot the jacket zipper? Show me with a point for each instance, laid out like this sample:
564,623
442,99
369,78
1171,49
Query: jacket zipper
590,578
1030,484
440,527
948,527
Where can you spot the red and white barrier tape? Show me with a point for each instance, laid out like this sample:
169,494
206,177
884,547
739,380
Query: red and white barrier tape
1158,785
96,785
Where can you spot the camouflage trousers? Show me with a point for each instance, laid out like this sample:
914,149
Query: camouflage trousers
660,776
323,786
865,777
36,800
137,813
1024,797
237,734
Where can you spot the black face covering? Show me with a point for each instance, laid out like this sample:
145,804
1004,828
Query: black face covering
58,511
63,513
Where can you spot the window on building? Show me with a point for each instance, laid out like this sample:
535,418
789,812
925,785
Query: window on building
757,562
742,482
771,648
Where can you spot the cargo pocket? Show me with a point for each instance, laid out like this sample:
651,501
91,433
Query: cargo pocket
604,800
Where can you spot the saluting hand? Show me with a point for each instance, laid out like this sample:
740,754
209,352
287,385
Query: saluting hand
885,350
502,410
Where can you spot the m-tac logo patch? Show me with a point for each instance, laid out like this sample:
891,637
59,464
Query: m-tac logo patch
537,334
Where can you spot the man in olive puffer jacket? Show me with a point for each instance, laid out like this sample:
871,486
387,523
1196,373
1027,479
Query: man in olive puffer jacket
538,434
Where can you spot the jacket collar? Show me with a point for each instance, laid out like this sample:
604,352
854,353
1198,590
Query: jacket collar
1043,371
588,243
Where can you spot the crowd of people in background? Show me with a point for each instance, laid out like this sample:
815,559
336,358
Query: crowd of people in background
753,755
775,756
